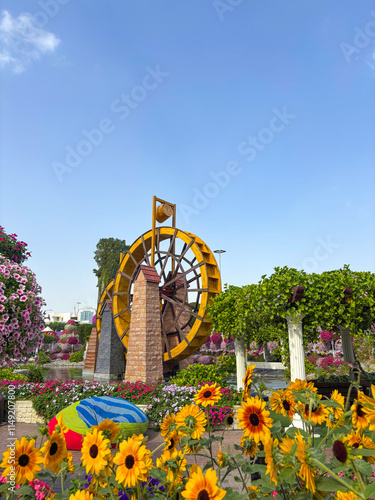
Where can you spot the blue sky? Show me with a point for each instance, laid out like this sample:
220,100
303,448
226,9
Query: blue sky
256,118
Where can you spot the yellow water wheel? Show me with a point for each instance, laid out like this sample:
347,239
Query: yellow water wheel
189,278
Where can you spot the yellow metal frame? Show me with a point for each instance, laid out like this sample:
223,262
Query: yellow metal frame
153,238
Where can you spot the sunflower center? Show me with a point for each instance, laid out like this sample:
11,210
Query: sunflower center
339,451
24,460
207,394
171,444
254,419
53,449
203,495
94,450
313,409
129,462
356,445
230,420
359,411
190,421
286,405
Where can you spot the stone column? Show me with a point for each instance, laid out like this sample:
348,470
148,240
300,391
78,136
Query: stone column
267,354
297,354
144,361
347,346
110,363
239,347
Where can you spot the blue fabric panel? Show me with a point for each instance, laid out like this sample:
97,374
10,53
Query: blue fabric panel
96,409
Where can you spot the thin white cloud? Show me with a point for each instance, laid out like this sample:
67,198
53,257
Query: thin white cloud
22,41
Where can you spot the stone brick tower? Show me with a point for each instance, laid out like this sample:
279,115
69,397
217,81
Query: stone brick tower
144,360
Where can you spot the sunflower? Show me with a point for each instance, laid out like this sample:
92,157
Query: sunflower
134,462
220,459
249,446
353,439
168,425
192,449
200,487
55,451
109,428
174,474
254,419
298,384
172,441
229,419
62,426
69,459
192,419
286,445
341,451
335,413
359,416
346,496
316,413
23,461
95,451
306,472
253,491
81,495
269,447
283,402
356,441
208,395
247,381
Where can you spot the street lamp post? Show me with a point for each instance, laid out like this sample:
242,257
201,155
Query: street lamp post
219,252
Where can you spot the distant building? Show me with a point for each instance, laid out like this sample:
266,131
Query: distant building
52,317
86,314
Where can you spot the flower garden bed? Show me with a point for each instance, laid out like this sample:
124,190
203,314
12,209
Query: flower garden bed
159,399
273,459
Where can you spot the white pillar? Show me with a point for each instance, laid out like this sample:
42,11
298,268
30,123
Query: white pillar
297,353
347,346
239,347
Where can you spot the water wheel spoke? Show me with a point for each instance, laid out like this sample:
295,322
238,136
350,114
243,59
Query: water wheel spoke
121,312
125,275
170,282
169,252
125,332
165,337
133,259
185,306
180,330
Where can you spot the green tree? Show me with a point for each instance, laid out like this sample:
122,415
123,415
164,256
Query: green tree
107,258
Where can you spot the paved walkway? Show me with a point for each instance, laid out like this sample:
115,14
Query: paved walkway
154,440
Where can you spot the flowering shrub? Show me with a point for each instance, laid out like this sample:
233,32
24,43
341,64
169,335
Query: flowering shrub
327,336
205,360
216,338
73,340
21,318
66,348
11,248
